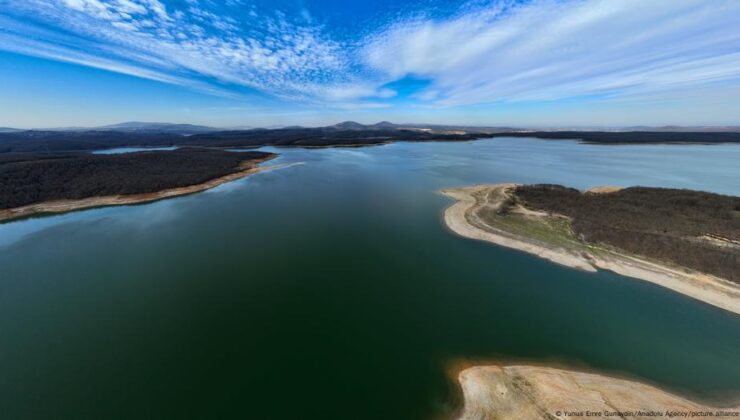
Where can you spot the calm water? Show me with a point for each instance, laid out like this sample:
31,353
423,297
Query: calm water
121,150
331,290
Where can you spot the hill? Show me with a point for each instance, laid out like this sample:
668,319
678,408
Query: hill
156,127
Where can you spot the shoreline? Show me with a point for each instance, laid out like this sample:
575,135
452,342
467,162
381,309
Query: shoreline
539,392
461,217
246,168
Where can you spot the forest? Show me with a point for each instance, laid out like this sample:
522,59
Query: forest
32,141
32,178
693,229
633,137
66,141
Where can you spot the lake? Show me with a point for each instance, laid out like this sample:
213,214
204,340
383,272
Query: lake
331,289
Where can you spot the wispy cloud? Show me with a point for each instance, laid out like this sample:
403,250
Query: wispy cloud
191,46
547,50
507,51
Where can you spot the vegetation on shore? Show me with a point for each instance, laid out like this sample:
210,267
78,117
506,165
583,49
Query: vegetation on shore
27,179
65,141
683,240
633,137
346,134
693,229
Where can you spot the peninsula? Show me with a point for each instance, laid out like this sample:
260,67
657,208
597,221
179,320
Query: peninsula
32,184
533,393
687,241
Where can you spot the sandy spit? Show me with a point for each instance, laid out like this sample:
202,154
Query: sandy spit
247,168
462,219
532,393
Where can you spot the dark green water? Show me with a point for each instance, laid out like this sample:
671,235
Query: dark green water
331,290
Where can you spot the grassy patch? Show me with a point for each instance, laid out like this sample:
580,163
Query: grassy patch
658,223
550,230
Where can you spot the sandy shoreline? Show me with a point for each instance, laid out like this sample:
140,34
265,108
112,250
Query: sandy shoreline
248,167
532,392
462,219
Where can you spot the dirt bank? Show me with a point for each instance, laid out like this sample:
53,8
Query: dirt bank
532,393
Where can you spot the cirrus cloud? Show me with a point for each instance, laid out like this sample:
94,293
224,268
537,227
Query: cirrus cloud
502,52
548,50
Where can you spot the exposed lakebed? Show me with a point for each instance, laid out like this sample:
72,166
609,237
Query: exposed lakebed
332,290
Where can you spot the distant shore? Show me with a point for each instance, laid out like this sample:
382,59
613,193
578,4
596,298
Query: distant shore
533,393
246,168
463,218
344,134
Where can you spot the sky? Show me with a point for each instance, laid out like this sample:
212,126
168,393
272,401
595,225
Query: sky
235,63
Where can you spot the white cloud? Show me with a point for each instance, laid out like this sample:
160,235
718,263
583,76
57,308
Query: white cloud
542,50
553,49
277,57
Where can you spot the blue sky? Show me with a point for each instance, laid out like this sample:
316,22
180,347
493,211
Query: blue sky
314,62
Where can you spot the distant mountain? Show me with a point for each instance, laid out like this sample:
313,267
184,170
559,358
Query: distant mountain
49,141
349,125
452,129
429,128
237,128
384,125
263,127
284,127
155,127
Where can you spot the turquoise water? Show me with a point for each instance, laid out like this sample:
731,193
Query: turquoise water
331,289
